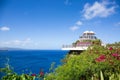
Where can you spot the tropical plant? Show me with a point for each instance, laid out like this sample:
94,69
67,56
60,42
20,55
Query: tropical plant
9,74
96,63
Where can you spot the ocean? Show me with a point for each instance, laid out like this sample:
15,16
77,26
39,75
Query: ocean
26,61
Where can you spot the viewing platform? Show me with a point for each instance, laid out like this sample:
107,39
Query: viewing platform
75,48
71,47
83,43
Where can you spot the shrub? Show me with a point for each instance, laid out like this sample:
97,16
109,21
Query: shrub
96,63
9,74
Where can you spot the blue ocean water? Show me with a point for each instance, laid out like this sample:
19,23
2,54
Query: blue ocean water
26,61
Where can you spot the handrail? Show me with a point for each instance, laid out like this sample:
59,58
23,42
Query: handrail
72,46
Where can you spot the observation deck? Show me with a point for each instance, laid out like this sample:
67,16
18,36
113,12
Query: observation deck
83,43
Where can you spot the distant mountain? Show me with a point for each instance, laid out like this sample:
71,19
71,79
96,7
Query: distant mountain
9,48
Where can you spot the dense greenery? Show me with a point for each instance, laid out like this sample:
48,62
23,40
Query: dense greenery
97,42
96,63
115,45
9,74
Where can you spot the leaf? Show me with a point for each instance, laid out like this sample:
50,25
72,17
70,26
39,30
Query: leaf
111,77
101,75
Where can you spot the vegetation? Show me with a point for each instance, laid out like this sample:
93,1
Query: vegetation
96,63
115,45
9,74
96,42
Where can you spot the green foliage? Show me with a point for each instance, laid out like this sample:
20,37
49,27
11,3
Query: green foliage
18,77
52,67
96,63
116,45
101,75
96,42
11,75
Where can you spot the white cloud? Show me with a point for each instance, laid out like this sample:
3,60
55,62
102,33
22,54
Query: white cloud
74,28
4,28
79,23
18,42
98,9
67,2
117,24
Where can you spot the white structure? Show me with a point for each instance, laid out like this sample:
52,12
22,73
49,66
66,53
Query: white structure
81,45
88,35
75,48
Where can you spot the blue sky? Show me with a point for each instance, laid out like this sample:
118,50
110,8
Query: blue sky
48,24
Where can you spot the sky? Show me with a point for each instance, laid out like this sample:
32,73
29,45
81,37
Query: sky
49,24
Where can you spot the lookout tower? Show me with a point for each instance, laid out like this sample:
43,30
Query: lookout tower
87,39
83,43
88,35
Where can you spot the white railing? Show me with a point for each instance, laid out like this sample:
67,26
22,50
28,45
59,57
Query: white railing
67,46
72,46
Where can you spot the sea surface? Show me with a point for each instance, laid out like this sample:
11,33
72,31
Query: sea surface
26,61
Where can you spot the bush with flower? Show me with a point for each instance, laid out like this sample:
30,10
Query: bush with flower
9,74
96,63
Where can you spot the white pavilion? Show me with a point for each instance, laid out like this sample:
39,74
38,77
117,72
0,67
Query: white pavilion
82,45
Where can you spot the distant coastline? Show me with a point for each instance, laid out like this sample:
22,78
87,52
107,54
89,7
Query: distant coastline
14,49
8,48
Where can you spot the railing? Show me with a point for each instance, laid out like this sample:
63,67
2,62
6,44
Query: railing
68,46
73,46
